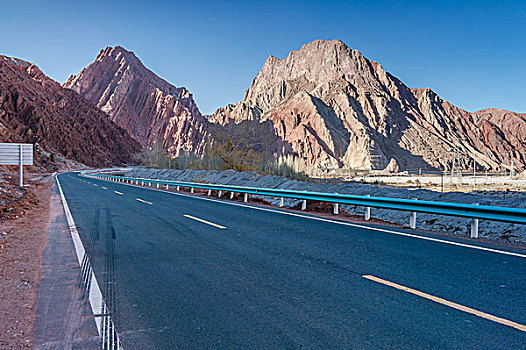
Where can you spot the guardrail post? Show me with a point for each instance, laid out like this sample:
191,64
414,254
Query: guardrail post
336,208
219,193
150,184
166,187
304,204
412,219
209,192
191,190
245,198
367,211
231,195
142,183
475,227
157,185
281,202
178,188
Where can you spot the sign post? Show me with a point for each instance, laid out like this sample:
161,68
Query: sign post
17,154
21,166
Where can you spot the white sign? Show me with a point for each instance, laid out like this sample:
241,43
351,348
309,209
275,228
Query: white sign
10,153
17,154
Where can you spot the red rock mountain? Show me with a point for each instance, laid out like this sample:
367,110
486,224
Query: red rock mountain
334,108
148,107
63,125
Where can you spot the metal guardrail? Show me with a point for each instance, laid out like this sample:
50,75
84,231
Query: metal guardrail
475,212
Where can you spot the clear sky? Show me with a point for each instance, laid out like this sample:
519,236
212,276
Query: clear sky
471,53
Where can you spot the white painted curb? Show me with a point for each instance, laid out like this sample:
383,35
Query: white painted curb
91,284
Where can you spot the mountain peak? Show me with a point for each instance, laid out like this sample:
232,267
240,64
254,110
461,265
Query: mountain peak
138,100
319,43
116,52
314,64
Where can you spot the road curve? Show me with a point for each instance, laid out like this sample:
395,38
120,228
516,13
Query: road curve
181,272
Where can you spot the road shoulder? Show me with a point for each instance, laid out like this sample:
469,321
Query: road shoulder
20,255
63,317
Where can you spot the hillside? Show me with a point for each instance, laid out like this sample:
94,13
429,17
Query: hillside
62,124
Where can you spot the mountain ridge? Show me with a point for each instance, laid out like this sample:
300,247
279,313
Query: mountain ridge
325,104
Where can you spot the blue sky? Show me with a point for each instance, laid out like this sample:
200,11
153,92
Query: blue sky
471,53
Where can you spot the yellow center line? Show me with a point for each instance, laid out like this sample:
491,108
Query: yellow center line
142,200
104,188
204,221
469,310
118,192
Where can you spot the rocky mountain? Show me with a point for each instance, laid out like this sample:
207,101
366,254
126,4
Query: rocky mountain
63,125
148,107
334,108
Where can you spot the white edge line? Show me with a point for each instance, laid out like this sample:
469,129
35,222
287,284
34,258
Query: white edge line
464,245
95,295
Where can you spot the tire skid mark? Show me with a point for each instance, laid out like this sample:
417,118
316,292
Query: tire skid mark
86,268
109,339
110,293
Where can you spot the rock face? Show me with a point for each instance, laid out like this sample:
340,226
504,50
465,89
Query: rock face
148,107
36,109
334,108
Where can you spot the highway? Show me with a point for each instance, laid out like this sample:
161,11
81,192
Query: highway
189,272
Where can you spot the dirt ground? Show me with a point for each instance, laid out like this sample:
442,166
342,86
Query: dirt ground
24,218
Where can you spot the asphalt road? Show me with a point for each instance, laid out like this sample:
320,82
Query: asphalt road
182,272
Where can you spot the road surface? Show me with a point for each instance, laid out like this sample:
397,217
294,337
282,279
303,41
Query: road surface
186,272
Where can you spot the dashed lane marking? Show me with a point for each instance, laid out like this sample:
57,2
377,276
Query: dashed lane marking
142,200
371,228
120,193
